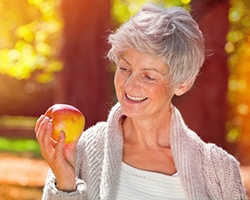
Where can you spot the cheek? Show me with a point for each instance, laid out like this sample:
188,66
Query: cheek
157,88
160,92
157,94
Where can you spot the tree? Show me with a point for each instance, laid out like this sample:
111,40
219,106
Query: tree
204,107
85,81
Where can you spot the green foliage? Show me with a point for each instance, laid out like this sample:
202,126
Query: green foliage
29,35
123,9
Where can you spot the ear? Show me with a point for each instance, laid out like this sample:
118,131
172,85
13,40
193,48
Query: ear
182,89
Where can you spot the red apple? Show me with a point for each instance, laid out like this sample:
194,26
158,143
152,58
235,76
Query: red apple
68,119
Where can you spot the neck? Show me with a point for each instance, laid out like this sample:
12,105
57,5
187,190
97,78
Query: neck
147,132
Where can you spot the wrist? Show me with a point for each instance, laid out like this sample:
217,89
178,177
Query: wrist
69,186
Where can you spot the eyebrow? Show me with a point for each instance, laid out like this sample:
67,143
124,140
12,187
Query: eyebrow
122,57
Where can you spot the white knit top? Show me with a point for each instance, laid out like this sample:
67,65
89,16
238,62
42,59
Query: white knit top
135,184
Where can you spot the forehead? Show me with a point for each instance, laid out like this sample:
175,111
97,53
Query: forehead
138,59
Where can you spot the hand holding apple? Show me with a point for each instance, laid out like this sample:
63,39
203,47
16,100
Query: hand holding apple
68,119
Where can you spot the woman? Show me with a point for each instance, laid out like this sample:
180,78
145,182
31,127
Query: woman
144,150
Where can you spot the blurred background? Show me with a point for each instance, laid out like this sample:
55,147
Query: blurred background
54,51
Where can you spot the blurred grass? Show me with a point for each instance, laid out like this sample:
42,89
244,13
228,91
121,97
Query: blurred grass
20,145
13,132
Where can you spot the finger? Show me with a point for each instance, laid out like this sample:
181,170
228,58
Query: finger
53,143
46,139
47,149
60,147
41,129
38,122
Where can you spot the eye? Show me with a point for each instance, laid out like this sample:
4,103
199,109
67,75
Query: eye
149,78
122,68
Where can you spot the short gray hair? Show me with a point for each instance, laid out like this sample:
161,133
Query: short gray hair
169,33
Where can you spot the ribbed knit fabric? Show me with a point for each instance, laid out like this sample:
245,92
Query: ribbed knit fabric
205,170
134,185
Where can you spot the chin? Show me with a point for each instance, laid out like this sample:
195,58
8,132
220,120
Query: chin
132,112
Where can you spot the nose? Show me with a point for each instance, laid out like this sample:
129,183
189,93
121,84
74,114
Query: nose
132,82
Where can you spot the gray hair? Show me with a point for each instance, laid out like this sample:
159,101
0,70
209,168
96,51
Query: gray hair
171,34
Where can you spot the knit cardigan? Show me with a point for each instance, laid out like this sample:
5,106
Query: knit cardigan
206,171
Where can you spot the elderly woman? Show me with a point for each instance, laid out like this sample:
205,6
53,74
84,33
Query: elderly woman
144,150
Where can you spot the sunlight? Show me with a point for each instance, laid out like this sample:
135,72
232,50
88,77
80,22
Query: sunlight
34,41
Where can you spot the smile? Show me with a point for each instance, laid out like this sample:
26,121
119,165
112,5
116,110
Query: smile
137,99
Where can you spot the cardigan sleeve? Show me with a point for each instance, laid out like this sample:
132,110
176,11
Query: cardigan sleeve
52,193
227,171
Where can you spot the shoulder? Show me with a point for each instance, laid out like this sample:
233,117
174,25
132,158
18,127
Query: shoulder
218,170
218,157
184,137
90,145
215,161
224,165
212,156
93,135
97,132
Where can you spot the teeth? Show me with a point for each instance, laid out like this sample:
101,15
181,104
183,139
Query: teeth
136,98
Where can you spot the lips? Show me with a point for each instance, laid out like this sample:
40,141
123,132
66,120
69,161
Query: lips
136,98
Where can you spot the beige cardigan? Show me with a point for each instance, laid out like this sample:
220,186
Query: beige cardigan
206,171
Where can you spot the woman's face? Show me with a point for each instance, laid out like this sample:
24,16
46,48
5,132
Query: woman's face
141,85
